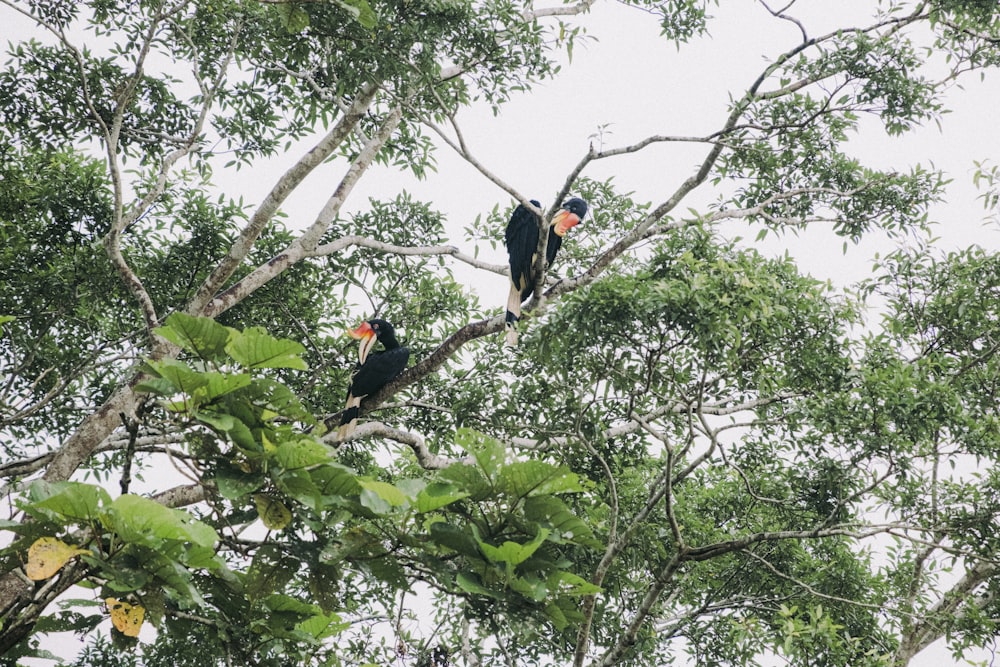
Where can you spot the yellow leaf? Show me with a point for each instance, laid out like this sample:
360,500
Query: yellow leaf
127,618
47,555
272,512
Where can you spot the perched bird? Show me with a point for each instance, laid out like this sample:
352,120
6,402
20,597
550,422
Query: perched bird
374,370
522,249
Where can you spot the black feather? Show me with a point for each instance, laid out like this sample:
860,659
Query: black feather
521,239
379,368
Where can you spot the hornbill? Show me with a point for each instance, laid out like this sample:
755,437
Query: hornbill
373,371
522,249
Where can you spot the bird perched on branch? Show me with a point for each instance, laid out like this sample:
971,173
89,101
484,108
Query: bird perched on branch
374,370
522,249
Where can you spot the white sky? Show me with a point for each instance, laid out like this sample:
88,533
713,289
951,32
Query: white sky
636,84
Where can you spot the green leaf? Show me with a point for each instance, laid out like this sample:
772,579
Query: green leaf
322,626
471,583
469,479
158,386
71,500
554,512
489,453
201,335
302,453
299,485
556,615
273,512
437,495
452,537
334,479
255,348
381,496
220,384
526,478
283,603
234,483
143,521
294,18
220,422
184,379
567,583
361,11
529,587
512,553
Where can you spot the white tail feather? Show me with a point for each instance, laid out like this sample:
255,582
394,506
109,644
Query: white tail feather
347,429
513,314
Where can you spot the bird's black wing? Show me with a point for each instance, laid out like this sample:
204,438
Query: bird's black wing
378,370
522,241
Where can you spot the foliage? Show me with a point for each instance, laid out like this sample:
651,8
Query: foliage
698,453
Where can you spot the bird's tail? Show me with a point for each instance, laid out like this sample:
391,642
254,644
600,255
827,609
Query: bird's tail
513,315
349,420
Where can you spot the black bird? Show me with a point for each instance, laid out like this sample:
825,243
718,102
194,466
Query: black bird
374,371
522,246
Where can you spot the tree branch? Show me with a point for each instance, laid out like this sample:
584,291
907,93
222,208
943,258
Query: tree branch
308,241
427,459
290,180
345,242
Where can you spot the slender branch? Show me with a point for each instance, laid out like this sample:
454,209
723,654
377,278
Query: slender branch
722,408
345,242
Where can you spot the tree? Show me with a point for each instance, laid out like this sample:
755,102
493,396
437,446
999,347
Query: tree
693,456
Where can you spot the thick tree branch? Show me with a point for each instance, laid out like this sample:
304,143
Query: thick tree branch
290,180
308,241
427,459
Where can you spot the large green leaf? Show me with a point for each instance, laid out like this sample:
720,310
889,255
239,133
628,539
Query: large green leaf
233,482
361,11
333,479
469,479
220,384
532,477
201,335
147,522
185,379
472,583
554,512
489,453
299,485
511,553
381,497
455,538
322,625
269,571
70,500
302,453
255,348
567,583
437,495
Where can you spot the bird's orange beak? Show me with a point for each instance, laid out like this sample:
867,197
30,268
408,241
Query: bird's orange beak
564,221
366,335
